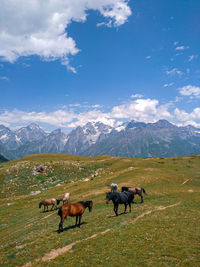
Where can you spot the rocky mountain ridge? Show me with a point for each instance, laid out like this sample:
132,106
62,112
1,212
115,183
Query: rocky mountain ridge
131,139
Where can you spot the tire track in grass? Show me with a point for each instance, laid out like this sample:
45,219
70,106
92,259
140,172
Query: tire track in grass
57,252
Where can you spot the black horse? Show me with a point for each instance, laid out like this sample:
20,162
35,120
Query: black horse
125,198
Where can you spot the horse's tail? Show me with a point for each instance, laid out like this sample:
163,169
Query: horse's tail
144,191
60,212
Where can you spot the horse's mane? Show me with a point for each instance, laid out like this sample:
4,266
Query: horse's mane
86,204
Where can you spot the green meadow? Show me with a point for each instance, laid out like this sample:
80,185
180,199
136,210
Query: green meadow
163,231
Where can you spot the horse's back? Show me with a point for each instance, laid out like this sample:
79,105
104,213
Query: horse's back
49,201
73,209
133,190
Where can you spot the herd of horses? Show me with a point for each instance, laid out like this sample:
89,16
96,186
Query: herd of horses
126,197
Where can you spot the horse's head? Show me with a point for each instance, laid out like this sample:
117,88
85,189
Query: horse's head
90,205
108,197
40,204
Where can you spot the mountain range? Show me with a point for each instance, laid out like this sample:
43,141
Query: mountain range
130,139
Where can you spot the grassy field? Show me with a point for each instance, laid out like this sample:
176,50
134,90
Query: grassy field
163,231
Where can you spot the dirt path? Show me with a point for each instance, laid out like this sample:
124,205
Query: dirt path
57,252
156,209
185,181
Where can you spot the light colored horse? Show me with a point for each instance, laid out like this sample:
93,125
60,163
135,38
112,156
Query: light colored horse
48,202
64,199
113,187
135,191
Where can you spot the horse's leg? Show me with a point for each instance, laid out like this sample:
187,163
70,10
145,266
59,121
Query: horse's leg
129,206
116,209
141,197
76,220
44,208
133,198
52,206
61,224
125,206
80,221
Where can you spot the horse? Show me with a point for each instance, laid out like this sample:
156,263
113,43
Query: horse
120,198
113,187
64,199
48,202
73,210
134,191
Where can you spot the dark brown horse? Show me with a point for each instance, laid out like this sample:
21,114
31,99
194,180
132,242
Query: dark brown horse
134,191
73,210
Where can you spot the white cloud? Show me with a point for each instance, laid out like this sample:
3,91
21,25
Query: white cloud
148,57
181,47
141,110
40,27
174,71
4,78
136,96
185,118
146,110
192,57
190,90
168,84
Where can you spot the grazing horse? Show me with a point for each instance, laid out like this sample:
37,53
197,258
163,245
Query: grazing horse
76,209
125,198
113,187
48,202
134,191
64,199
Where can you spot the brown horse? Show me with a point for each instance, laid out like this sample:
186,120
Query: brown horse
48,202
76,209
135,191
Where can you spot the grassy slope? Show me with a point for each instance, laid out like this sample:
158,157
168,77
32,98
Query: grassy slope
148,236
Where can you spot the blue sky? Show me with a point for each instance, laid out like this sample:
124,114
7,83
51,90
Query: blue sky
66,63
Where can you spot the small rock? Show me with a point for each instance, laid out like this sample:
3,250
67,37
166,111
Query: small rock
35,192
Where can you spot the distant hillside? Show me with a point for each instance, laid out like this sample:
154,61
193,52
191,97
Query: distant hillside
163,231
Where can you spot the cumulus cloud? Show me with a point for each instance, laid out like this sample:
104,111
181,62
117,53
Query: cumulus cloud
57,118
40,27
146,110
190,90
185,118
